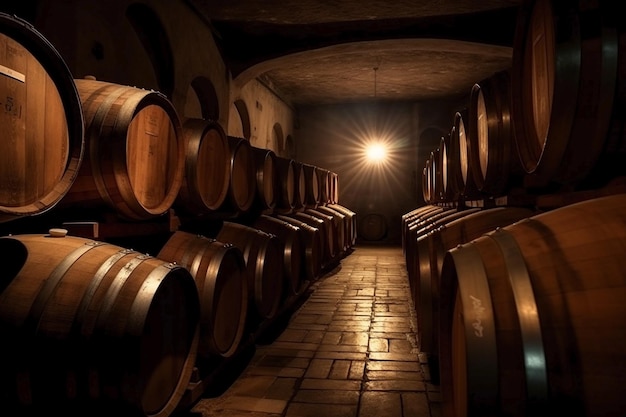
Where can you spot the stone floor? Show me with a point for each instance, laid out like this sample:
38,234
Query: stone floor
348,351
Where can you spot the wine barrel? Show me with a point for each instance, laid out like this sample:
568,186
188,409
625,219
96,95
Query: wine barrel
287,177
87,323
333,187
566,57
293,250
135,151
324,183
312,187
300,186
207,168
266,178
351,221
431,250
264,268
324,226
42,121
532,316
342,227
427,193
494,161
313,247
415,223
417,269
335,227
448,160
219,270
436,176
243,186
460,147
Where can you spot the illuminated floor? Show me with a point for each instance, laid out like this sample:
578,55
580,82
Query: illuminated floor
348,351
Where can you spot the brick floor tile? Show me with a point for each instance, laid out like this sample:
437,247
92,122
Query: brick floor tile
397,385
377,404
255,404
357,369
400,346
275,371
340,370
317,410
355,338
292,335
313,336
352,356
316,396
284,361
342,348
408,366
390,356
379,345
331,384
319,368
414,404
393,375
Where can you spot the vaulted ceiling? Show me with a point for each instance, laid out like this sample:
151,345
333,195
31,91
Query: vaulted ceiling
338,51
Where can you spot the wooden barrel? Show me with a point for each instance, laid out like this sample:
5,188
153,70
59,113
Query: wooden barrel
219,270
448,161
42,120
291,240
495,164
459,144
335,225
264,268
566,58
242,190
87,323
415,223
312,187
436,176
417,269
300,197
342,226
427,182
313,247
326,232
351,221
207,167
135,151
324,183
532,316
333,187
431,249
287,180
266,178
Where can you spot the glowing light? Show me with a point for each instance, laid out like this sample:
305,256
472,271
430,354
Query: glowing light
376,152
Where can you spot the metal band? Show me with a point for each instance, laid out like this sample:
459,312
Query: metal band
51,283
116,286
94,134
95,282
530,325
480,333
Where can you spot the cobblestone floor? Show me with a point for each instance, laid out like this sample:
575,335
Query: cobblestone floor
348,351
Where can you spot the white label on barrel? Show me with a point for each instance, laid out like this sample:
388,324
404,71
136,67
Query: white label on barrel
12,73
479,312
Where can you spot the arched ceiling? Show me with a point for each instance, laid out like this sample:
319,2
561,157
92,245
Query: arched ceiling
324,52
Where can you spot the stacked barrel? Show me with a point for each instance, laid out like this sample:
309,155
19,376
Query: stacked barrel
518,307
92,327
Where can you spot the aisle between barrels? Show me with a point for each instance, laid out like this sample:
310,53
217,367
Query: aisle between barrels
349,350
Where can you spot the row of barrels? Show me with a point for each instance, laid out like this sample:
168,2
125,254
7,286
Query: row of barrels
521,312
83,143
554,120
94,328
